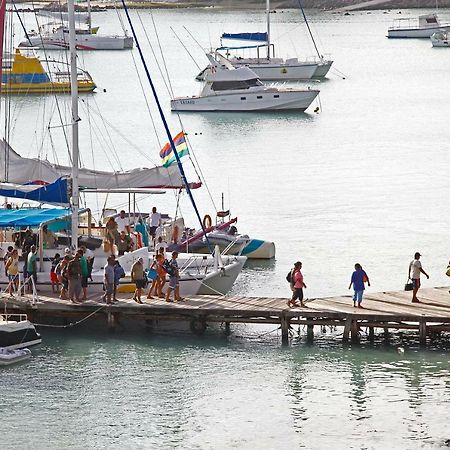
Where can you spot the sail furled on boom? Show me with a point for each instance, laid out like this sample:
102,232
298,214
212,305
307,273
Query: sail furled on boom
255,37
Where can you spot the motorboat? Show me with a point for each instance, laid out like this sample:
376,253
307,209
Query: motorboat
227,88
8,357
57,38
267,66
24,73
17,332
440,39
424,27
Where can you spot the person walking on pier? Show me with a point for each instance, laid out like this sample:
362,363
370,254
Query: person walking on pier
109,279
359,277
171,267
415,269
138,276
74,277
297,285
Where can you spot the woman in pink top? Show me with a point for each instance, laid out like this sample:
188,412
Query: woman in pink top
297,285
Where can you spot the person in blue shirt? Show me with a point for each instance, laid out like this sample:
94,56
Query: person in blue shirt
359,277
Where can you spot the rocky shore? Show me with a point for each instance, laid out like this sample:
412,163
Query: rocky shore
275,4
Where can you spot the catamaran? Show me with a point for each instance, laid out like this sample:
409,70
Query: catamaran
269,67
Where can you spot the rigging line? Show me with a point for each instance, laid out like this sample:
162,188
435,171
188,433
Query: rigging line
309,29
185,48
160,51
195,40
21,22
168,87
144,94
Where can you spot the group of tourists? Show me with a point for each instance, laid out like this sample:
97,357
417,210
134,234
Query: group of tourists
358,280
69,275
158,272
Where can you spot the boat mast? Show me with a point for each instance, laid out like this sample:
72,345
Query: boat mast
268,27
75,120
89,17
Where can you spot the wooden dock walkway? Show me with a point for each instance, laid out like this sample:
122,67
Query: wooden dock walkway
384,310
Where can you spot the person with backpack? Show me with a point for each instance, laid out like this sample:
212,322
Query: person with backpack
359,277
118,274
295,278
74,273
171,267
61,273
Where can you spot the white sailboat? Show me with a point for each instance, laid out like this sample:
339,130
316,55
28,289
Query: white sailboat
269,67
227,88
55,36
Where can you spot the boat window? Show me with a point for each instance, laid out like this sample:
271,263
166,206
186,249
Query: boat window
276,96
431,20
259,96
230,85
243,98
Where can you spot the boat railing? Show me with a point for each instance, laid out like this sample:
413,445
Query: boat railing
408,22
5,317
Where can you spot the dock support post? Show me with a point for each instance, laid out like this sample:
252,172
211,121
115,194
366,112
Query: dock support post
284,330
310,332
371,334
386,333
348,323
354,331
422,332
227,328
111,322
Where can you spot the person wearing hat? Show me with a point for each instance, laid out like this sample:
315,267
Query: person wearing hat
415,269
297,286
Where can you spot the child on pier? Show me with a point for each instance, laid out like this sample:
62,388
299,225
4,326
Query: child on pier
359,277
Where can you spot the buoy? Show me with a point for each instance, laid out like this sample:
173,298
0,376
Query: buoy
400,350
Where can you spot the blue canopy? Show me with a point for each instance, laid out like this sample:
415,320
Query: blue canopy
10,218
54,193
246,36
241,47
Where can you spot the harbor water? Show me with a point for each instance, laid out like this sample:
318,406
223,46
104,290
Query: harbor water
366,179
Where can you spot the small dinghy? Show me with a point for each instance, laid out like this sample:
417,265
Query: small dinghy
8,357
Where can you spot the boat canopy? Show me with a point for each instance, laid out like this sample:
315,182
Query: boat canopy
33,170
55,193
241,47
257,37
26,217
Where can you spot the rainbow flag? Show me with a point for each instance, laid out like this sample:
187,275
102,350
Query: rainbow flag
167,154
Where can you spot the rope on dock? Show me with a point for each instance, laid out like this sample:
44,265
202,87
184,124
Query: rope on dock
71,324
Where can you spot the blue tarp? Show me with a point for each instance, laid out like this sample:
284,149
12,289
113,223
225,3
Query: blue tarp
246,36
10,218
54,193
240,47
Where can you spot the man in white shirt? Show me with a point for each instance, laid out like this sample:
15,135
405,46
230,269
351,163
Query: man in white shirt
154,222
123,223
415,268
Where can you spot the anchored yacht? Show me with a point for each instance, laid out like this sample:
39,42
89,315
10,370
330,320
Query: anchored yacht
227,88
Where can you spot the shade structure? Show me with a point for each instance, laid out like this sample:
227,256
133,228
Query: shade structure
27,217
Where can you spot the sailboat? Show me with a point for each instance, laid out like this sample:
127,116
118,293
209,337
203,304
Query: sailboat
55,36
267,66
213,274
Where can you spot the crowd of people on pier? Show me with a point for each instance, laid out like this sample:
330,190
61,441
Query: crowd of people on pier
358,280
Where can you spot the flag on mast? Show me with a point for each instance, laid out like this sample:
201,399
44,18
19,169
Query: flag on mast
166,153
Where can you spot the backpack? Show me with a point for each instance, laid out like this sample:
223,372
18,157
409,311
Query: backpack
168,268
289,277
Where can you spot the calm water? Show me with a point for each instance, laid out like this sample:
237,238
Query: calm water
364,180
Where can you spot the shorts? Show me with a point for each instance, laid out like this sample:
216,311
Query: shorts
84,282
54,277
297,294
109,288
13,277
153,231
140,284
357,296
173,282
416,283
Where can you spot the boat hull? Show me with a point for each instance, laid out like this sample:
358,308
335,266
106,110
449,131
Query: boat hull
84,42
17,335
322,69
246,101
258,249
8,357
45,88
278,72
404,33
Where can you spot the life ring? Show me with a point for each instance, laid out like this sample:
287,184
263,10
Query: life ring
175,233
207,221
138,239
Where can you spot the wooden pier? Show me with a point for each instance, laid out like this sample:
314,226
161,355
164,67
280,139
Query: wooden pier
385,311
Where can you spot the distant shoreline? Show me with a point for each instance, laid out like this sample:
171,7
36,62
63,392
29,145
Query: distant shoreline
328,5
